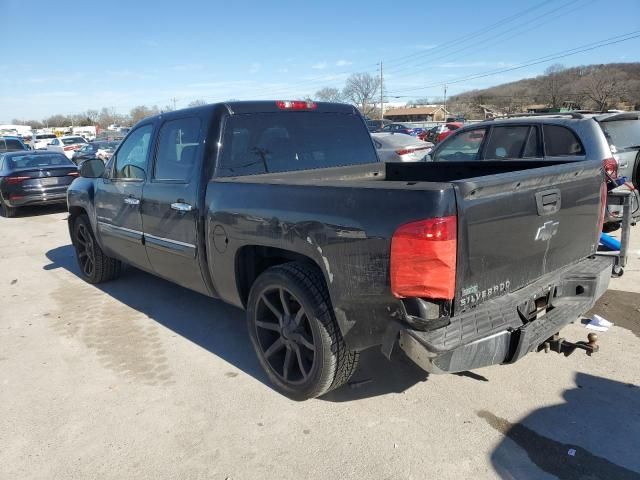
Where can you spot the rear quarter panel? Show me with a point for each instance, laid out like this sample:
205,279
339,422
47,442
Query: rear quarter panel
345,230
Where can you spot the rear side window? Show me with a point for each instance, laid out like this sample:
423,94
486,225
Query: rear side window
507,142
561,142
463,147
177,148
36,161
622,133
13,144
287,141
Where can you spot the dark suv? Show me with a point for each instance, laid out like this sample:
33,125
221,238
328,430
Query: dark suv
564,136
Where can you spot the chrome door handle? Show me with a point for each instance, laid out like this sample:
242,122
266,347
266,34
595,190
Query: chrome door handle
132,201
181,207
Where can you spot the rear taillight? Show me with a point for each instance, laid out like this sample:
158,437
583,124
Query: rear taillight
610,167
15,180
295,105
405,151
73,174
423,259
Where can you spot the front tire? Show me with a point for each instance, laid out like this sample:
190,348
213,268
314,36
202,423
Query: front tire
294,332
95,265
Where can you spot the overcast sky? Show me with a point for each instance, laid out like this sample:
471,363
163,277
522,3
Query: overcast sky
81,55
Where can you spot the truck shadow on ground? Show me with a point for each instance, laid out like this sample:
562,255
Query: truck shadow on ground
593,435
220,329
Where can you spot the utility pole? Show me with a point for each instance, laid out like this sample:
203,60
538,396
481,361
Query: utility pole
381,93
445,102
174,102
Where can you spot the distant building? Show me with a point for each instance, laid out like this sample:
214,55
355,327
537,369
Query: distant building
431,113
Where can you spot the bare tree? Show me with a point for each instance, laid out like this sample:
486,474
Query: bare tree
553,85
361,89
142,111
197,103
603,87
329,94
58,121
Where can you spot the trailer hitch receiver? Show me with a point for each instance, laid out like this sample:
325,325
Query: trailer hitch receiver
561,345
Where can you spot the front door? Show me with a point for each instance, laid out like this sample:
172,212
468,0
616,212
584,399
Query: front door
118,197
170,203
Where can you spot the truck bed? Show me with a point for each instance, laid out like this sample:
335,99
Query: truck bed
517,222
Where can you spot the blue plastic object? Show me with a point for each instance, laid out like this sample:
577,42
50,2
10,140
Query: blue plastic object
609,242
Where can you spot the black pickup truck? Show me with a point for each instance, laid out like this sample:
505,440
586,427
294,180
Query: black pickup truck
283,209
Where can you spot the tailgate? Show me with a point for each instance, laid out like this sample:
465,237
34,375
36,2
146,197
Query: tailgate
515,227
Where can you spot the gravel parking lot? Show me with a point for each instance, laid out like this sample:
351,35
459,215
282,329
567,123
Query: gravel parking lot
140,378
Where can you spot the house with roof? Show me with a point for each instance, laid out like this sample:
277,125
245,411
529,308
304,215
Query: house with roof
410,113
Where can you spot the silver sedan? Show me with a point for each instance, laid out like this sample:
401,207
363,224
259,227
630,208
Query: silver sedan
397,147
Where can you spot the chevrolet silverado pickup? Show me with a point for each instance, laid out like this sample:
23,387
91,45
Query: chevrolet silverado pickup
283,209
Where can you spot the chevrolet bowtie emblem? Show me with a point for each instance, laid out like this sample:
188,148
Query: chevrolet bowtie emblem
546,231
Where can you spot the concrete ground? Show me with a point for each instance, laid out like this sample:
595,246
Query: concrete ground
142,379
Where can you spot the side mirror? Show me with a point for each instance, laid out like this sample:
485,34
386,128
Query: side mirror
92,168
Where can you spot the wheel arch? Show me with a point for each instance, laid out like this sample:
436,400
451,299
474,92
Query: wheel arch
253,260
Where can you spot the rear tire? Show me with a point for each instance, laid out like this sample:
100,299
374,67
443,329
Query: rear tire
95,265
7,211
294,332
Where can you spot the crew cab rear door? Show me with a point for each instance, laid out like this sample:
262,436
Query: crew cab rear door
170,202
516,227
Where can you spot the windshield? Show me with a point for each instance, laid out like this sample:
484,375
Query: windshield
286,141
45,136
622,133
37,161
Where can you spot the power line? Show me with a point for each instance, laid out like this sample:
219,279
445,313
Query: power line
483,42
318,81
536,61
469,36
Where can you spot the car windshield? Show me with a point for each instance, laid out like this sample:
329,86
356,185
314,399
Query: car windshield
622,133
45,136
36,161
73,140
286,141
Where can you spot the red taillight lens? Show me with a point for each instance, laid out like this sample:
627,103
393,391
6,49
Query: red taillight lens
73,174
404,151
295,105
423,259
610,167
15,180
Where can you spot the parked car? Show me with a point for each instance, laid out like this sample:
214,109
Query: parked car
42,140
622,130
376,125
68,145
33,178
400,128
393,147
282,208
10,143
99,149
448,129
433,132
568,136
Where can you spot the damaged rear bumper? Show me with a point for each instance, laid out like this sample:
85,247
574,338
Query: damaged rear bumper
495,332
